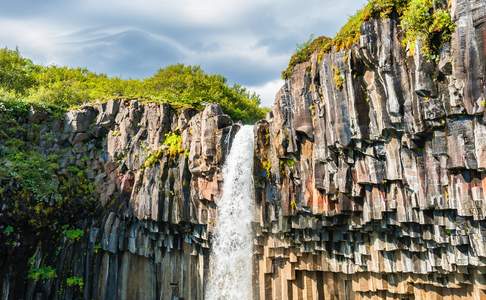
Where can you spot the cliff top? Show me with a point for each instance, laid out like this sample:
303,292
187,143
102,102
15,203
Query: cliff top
67,88
426,21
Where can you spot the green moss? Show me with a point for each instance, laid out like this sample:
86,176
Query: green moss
73,234
153,158
304,52
432,26
173,142
172,146
267,166
42,273
337,77
293,204
75,281
287,162
115,133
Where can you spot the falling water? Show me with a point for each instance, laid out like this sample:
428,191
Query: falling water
231,257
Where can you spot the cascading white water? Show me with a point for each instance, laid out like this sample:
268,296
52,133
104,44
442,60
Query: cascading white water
231,268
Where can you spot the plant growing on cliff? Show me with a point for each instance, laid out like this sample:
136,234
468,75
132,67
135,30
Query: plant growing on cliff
73,234
75,281
304,51
173,142
431,26
42,273
348,35
267,166
337,77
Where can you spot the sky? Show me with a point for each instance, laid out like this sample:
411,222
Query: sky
247,41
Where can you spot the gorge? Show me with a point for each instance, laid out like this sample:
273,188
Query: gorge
366,180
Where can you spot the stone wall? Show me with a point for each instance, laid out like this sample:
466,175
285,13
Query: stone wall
376,189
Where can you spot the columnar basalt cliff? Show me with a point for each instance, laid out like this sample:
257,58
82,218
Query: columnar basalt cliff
372,185
369,178
148,239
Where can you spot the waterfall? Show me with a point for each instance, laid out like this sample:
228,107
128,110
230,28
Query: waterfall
231,265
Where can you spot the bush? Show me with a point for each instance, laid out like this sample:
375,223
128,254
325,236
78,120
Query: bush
73,234
178,85
42,273
173,142
432,27
75,281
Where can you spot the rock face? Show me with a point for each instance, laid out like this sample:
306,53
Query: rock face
376,188
150,240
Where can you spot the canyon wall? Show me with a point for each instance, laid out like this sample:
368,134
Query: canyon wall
147,237
372,185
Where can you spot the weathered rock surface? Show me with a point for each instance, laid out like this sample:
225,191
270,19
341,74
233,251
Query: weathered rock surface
377,189
150,240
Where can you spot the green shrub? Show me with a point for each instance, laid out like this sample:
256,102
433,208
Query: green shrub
75,281
73,234
32,172
173,142
337,77
178,85
431,27
42,273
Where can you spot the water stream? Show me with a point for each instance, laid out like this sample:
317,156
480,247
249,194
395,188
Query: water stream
231,257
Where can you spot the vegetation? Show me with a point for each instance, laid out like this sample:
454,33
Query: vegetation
267,166
179,85
173,143
172,146
337,77
73,234
432,27
75,281
426,20
42,273
39,196
304,52
153,158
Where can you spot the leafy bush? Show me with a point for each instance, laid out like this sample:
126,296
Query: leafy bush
75,281
32,172
16,72
431,27
178,85
173,142
73,234
42,273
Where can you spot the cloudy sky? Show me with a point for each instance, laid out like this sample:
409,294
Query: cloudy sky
247,41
